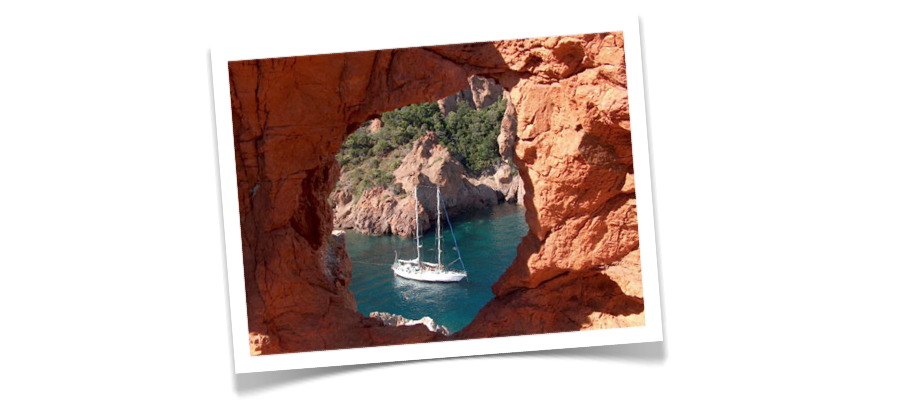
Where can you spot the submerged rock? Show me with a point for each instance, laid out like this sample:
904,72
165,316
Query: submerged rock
399,320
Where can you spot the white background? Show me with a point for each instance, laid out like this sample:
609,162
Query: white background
783,142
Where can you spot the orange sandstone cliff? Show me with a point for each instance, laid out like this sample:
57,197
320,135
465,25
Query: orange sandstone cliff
380,210
389,210
577,268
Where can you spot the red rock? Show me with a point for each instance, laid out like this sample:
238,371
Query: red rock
573,153
506,182
568,302
507,136
431,164
481,92
382,210
375,125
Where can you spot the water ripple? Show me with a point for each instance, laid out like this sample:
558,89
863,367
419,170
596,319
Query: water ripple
488,242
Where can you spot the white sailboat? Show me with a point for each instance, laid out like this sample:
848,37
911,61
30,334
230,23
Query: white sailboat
420,270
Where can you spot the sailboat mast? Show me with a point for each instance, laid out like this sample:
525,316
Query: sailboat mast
418,242
438,233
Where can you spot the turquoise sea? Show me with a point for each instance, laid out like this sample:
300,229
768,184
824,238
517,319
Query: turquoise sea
488,242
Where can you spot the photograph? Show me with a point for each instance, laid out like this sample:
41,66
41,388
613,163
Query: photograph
437,193
294,199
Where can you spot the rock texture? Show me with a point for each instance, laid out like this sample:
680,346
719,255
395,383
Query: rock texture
399,320
507,184
506,179
380,211
480,93
573,154
428,164
507,136
375,125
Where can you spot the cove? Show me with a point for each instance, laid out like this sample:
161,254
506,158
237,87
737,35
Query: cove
488,242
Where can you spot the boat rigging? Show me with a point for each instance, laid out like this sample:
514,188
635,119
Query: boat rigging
420,270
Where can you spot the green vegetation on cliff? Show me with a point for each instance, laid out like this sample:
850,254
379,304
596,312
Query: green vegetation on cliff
471,135
369,159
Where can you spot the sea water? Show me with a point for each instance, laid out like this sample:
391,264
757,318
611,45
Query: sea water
487,240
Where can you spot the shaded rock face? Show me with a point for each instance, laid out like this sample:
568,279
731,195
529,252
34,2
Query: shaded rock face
481,92
506,180
373,211
343,207
606,296
375,125
381,211
428,164
573,153
506,183
507,135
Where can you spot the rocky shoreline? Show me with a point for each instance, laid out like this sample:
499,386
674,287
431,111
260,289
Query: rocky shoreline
399,320
382,210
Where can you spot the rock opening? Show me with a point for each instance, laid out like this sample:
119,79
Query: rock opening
577,268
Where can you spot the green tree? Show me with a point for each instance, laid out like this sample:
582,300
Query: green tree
369,159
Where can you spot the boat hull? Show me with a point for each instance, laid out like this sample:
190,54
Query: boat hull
406,271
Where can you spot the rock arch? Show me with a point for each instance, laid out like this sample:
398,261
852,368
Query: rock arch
577,268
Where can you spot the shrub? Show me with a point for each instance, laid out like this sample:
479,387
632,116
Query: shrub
470,135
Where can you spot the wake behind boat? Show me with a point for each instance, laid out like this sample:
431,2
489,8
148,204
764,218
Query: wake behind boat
419,270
